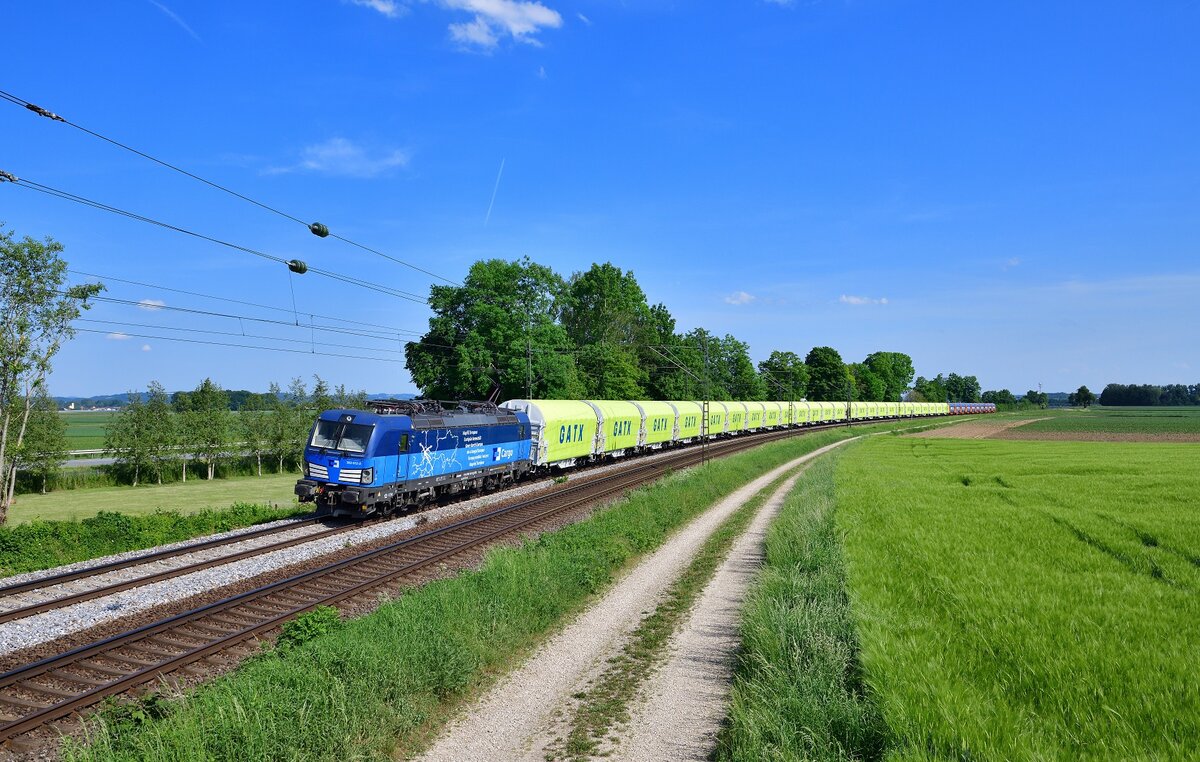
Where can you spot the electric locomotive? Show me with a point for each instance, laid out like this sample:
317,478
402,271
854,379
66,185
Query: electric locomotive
403,453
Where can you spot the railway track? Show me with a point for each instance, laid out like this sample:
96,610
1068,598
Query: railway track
61,687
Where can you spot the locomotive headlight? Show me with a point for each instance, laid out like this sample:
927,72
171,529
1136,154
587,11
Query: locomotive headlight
304,468
368,475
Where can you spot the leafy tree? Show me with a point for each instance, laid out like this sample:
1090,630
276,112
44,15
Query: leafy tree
161,430
349,400
606,317
287,422
828,378
208,423
500,327
253,420
929,390
736,371
321,398
1001,397
36,310
668,372
868,386
895,369
785,374
1037,399
128,438
1082,397
45,447
962,388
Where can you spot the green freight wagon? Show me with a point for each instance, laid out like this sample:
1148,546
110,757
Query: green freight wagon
688,420
562,431
659,423
620,425
754,415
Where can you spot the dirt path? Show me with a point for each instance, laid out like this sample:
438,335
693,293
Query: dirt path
685,701
972,429
515,719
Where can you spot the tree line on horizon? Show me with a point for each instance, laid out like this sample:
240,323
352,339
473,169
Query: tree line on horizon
517,329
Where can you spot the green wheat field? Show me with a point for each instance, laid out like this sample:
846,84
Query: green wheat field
1027,600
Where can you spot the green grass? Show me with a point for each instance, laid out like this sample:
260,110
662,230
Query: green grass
798,690
86,429
381,684
191,496
1119,420
1021,600
43,544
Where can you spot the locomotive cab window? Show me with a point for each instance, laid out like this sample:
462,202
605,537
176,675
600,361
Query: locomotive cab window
403,444
347,437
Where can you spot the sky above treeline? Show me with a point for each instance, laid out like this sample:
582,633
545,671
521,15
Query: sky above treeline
1008,190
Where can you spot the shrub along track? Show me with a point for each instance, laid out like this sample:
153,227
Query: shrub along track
59,687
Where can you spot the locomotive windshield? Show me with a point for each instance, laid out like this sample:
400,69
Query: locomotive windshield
347,437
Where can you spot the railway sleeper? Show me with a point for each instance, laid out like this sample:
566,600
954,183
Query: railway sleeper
21,702
33,687
71,677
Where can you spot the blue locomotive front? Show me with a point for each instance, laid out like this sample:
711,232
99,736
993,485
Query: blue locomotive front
404,453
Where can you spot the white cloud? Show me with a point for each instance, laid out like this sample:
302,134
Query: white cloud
388,8
1012,262
174,17
117,336
338,156
584,19
145,347
739,297
477,32
152,304
857,300
519,19
541,72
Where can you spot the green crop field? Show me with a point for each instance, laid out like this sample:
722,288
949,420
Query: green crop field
85,430
1020,600
1120,420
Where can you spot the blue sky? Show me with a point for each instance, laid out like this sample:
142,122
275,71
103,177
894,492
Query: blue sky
1008,190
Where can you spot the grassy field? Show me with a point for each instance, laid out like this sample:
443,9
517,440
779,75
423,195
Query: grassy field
798,690
183,497
86,429
1121,420
378,686
1023,600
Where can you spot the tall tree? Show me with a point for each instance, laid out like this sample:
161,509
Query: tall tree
45,447
1081,397
207,421
828,378
36,310
1001,397
606,317
253,420
868,386
500,327
895,369
127,438
162,430
785,374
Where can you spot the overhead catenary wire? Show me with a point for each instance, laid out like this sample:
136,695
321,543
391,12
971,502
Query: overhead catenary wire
316,228
65,195
246,346
243,334
386,329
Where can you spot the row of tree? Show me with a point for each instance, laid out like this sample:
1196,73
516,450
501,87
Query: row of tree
1150,394
155,432
520,330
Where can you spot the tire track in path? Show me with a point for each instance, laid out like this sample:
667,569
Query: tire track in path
515,719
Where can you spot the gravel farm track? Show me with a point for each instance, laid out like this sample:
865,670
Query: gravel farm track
49,685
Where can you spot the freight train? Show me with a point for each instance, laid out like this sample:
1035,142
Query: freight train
404,453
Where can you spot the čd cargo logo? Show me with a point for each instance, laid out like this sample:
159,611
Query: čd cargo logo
500,453
571,433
